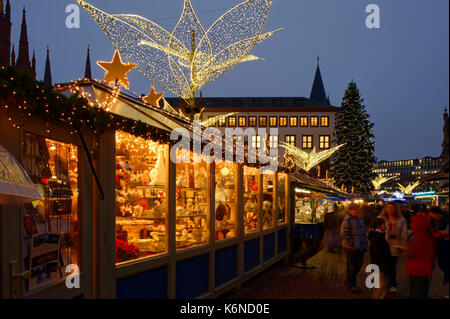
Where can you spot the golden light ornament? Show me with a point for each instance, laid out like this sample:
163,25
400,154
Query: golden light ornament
408,189
380,180
153,98
185,60
116,71
307,161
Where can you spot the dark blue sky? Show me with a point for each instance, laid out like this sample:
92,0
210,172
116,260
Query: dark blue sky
402,69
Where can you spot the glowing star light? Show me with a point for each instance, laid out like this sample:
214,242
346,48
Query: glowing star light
408,189
153,98
380,180
186,59
116,71
307,161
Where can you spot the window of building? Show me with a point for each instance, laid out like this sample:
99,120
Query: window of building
232,121
273,121
283,121
324,141
263,121
226,200
273,141
290,139
303,121
307,142
325,121
252,121
256,141
314,121
51,226
251,199
142,179
222,122
213,124
242,121
293,121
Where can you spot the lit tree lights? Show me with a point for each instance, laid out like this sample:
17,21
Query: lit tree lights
352,165
185,60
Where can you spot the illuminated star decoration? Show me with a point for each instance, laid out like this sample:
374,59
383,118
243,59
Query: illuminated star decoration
408,189
307,161
116,71
380,180
186,59
153,98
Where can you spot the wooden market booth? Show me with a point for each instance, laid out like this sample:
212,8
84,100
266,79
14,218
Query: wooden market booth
137,225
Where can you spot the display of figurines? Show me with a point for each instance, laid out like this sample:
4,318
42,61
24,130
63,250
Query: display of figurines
159,174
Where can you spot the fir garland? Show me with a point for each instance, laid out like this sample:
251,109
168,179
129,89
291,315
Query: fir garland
26,97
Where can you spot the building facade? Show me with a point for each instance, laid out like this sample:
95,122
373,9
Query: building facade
408,172
306,123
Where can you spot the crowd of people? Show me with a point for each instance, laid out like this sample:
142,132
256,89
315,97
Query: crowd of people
386,232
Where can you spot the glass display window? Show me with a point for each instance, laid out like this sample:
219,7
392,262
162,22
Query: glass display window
281,198
50,226
310,209
251,199
226,201
268,203
142,207
192,205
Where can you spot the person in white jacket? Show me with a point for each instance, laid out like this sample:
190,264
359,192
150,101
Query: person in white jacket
396,236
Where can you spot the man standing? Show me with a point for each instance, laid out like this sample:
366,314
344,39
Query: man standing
355,244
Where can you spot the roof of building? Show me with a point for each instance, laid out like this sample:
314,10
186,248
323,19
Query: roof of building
318,89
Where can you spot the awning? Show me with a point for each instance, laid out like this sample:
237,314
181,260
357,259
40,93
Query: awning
15,185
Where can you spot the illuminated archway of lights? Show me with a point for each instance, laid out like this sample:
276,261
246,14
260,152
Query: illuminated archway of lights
307,161
185,60
408,189
380,180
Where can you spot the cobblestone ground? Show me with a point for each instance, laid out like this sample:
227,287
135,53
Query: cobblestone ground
325,281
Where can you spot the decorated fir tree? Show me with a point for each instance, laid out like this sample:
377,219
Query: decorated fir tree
353,163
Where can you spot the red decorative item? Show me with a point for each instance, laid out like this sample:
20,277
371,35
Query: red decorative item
126,251
255,187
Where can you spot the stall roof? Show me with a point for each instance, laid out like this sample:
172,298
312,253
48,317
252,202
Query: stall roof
317,185
125,105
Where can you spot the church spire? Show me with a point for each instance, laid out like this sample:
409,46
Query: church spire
13,57
48,71
23,61
87,71
318,89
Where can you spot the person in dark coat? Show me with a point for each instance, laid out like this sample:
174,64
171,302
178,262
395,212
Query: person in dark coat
331,225
380,255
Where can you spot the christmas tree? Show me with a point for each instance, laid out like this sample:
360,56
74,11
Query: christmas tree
353,163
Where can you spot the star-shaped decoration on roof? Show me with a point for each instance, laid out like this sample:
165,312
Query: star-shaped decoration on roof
116,71
153,98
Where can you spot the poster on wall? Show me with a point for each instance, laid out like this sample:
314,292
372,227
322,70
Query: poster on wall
44,259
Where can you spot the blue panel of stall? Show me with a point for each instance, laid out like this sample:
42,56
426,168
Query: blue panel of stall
147,285
282,243
269,247
251,254
192,278
226,265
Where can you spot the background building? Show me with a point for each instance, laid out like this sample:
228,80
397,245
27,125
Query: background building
306,123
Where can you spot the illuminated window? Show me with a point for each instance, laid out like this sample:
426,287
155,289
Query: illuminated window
252,121
324,141
256,141
209,118
307,142
303,121
242,121
263,121
314,121
222,122
293,121
273,121
290,139
226,201
283,121
324,121
273,141
268,207
232,121
251,199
